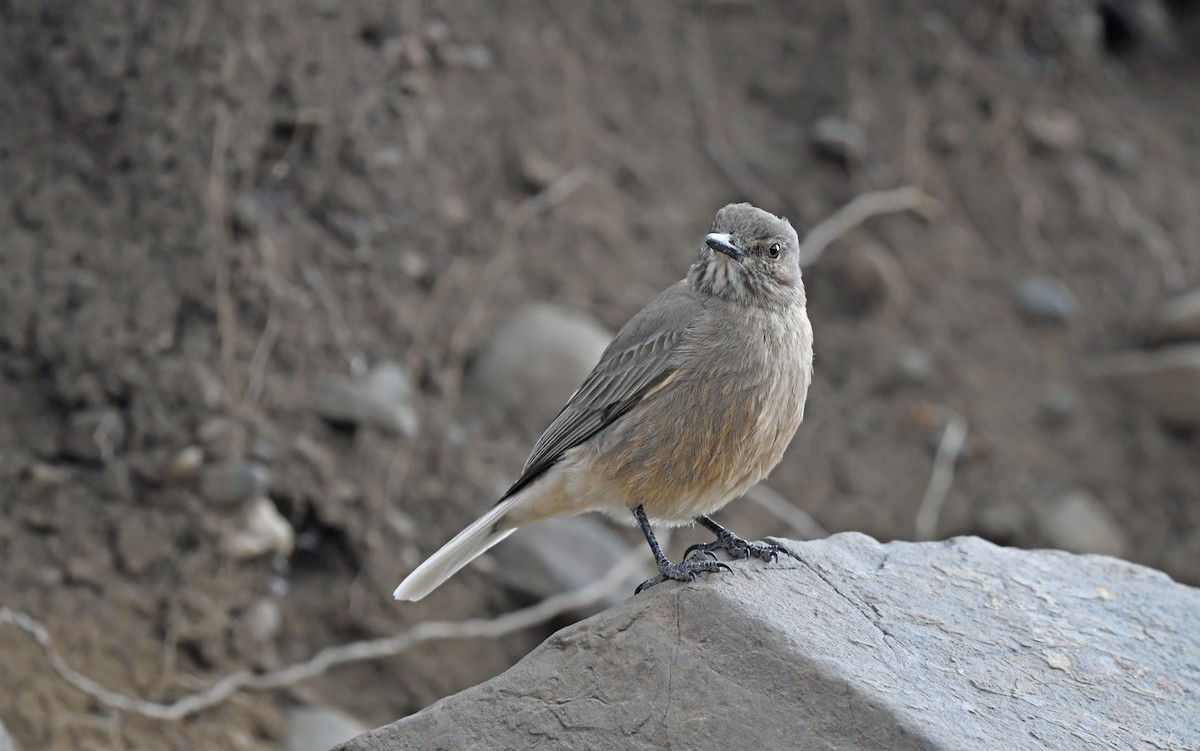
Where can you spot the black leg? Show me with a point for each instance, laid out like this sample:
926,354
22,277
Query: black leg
732,544
685,571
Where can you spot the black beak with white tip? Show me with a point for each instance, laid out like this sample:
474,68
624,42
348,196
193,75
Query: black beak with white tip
723,243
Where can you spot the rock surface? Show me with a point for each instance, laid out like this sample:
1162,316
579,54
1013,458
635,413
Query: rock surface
534,362
855,645
319,728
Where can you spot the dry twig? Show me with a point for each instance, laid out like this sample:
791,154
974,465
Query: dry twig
863,207
223,689
942,475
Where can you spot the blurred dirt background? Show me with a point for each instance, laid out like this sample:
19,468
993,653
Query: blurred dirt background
215,218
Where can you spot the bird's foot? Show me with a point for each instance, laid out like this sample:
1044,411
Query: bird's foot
736,547
685,571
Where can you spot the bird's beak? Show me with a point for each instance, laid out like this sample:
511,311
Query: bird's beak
723,243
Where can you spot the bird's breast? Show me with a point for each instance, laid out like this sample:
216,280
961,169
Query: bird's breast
718,426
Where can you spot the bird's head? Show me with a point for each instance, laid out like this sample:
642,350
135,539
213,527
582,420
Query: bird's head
749,256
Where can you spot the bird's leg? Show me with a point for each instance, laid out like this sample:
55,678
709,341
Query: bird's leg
685,571
732,544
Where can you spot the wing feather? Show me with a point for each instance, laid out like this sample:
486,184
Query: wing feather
640,358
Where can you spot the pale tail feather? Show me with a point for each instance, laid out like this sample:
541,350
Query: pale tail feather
466,546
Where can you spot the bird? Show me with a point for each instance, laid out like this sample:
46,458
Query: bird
693,402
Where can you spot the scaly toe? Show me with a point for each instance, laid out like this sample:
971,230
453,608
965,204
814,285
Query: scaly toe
684,572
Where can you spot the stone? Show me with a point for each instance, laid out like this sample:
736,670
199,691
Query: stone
229,483
184,465
1117,151
558,555
6,741
915,365
534,362
1078,522
950,645
1053,128
1164,381
535,171
320,728
839,140
223,438
1178,318
264,531
383,398
263,620
471,56
95,435
1059,404
1044,299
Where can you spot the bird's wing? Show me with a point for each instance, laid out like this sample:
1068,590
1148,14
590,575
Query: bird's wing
640,358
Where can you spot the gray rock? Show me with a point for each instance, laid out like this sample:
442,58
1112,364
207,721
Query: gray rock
223,438
839,140
915,365
953,645
1117,151
382,398
6,741
1045,299
1178,318
320,728
229,483
536,171
95,435
534,362
1054,129
1165,381
184,465
1079,522
263,620
471,56
562,554
1059,404
263,531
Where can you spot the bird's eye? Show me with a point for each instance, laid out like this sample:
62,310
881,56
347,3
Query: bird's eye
774,250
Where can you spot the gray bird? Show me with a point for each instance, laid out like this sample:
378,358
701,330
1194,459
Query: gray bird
693,402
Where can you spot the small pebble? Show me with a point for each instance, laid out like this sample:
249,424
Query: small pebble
383,398
6,741
469,56
1059,404
185,465
839,140
1054,129
264,531
1045,299
320,728
1178,318
264,620
95,435
229,483
223,438
1077,521
915,365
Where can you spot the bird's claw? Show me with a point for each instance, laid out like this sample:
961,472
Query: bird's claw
685,571
701,550
736,547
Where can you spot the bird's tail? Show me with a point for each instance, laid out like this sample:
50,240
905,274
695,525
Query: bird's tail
466,546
